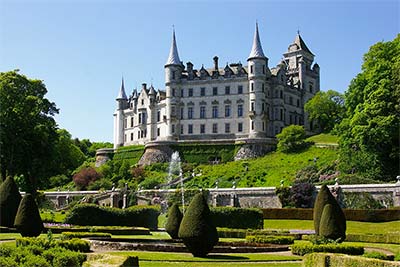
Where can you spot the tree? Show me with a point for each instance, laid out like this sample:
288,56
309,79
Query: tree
9,202
292,139
369,135
173,221
27,220
326,108
27,127
197,229
85,177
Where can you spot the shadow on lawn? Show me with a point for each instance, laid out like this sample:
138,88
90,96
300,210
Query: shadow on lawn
226,257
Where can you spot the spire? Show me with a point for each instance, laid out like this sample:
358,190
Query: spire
301,44
256,50
173,58
121,94
152,91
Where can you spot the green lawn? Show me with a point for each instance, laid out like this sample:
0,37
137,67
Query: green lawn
324,139
221,264
352,226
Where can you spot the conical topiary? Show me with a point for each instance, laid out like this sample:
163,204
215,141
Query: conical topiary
325,197
173,221
330,224
9,202
28,221
197,229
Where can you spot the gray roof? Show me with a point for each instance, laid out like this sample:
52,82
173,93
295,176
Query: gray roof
121,94
173,58
301,44
151,90
256,50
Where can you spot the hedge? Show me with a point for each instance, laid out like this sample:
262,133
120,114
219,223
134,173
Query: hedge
390,238
130,153
302,249
338,260
74,244
113,230
242,233
91,214
71,235
241,218
383,215
281,240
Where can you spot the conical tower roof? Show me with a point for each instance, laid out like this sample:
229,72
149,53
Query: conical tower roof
301,44
151,90
135,94
173,58
256,50
122,94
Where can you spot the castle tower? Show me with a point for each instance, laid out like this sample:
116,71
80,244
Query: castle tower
173,72
122,103
257,75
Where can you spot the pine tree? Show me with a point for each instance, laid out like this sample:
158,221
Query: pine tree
9,202
28,221
197,229
173,221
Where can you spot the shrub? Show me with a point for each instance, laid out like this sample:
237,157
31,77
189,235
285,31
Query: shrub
389,238
231,233
9,202
325,197
292,139
376,255
173,221
70,235
74,244
240,218
90,214
302,249
330,225
197,229
337,260
85,177
302,194
27,220
283,194
281,240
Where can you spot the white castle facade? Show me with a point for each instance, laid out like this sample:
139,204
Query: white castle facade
235,103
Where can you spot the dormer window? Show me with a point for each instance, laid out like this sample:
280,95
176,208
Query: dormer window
142,102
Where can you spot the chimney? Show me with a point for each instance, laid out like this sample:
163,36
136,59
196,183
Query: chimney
216,63
189,66
144,86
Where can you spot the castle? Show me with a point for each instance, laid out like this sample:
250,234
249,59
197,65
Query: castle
235,103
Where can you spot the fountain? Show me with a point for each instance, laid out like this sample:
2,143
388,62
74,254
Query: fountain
174,168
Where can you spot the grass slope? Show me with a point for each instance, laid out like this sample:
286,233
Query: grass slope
324,139
265,171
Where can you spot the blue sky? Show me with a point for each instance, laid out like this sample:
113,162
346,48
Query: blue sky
80,49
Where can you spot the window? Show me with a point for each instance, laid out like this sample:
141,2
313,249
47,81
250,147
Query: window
240,127
202,112
138,135
263,69
158,131
240,111
252,125
215,128
290,100
158,116
190,112
181,129
141,134
281,92
251,69
142,102
131,121
202,128
262,87
173,92
125,138
190,128
215,90
227,90
263,107
252,87
190,93
227,128
131,136
240,89
182,93
182,111
215,111
173,128
281,114
298,102
202,91
173,75
311,88
140,118
252,106
227,111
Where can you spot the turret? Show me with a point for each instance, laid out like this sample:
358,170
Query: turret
173,72
122,103
257,75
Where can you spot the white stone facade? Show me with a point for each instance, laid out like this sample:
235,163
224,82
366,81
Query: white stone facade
233,103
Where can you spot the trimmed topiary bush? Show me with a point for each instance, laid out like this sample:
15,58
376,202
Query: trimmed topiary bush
239,218
330,225
173,221
27,220
197,229
325,197
303,249
9,202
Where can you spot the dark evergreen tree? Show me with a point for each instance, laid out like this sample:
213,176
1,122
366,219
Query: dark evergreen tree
331,225
28,221
9,202
173,221
197,229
